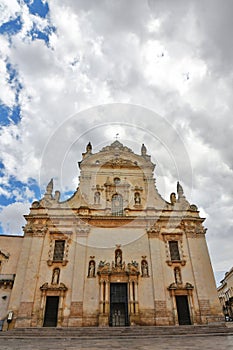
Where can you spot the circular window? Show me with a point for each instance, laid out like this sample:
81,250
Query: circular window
117,180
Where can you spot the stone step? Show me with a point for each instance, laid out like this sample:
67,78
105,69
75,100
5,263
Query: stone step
111,332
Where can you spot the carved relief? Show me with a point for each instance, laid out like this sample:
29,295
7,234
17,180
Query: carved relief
82,228
193,229
154,230
61,287
175,286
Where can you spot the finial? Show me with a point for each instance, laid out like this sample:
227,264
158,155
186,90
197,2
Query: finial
117,136
180,190
49,188
89,147
143,150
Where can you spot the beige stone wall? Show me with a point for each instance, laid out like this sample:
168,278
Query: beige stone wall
10,247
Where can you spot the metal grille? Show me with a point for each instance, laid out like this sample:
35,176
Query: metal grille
59,250
117,205
174,250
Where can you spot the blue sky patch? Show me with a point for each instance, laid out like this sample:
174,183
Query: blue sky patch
11,114
20,188
35,33
11,27
37,7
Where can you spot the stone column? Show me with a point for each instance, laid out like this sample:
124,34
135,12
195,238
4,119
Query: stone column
131,301
107,291
101,297
136,297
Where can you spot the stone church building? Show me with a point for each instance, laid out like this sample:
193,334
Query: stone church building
114,254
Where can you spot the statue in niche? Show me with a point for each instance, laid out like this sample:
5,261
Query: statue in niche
173,198
97,198
91,269
56,275
177,274
144,268
118,257
137,198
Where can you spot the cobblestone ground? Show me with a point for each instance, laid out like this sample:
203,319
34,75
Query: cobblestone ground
213,342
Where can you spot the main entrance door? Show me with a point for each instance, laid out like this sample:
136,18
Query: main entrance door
51,309
183,309
118,305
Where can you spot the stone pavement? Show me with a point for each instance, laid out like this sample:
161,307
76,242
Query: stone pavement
204,342
127,338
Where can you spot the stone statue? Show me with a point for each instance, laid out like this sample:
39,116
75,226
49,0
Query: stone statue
177,274
173,198
97,198
57,196
91,270
144,267
137,198
56,275
118,258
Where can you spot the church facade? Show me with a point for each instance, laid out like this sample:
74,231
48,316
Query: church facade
114,254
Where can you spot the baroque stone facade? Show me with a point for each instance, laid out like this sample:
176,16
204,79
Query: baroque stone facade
115,253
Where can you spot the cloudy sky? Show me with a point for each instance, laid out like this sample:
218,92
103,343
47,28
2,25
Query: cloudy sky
157,72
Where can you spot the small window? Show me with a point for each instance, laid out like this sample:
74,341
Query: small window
117,180
59,250
174,250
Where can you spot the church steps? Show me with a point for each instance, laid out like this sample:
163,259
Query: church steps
116,332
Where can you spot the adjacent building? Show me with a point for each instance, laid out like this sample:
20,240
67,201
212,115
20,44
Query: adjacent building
225,294
114,254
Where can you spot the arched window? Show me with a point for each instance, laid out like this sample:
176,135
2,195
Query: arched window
117,205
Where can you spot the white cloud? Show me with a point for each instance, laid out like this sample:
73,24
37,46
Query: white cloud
8,10
12,219
173,58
